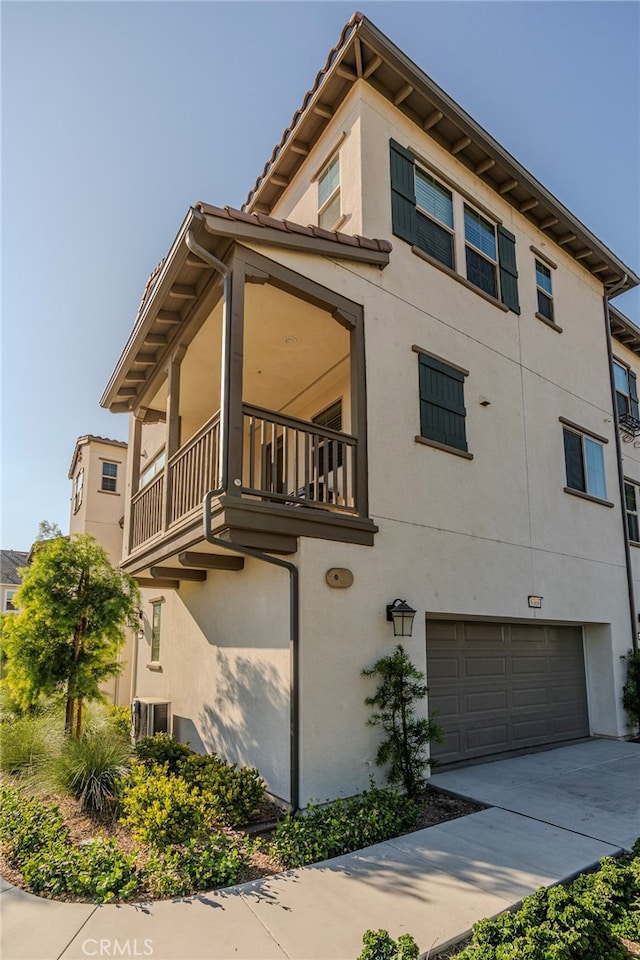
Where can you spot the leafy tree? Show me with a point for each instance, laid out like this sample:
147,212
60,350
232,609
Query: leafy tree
631,689
48,531
401,686
73,607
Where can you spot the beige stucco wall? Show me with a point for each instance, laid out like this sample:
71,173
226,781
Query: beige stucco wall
457,537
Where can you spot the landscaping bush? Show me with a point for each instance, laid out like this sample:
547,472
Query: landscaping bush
27,826
91,769
631,689
342,826
119,722
98,871
218,861
378,945
162,750
230,795
26,745
161,809
582,920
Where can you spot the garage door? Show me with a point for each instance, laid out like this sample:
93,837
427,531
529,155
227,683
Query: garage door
499,687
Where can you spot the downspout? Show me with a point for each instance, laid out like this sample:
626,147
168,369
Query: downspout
627,548
294,588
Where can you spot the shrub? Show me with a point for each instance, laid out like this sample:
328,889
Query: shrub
230,795
98,871
631,689
378,945
27,826
162,750
91,769
342,826
161,809
178,871
119,721
583,920
26,745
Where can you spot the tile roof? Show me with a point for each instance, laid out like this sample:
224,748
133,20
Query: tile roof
88,438
288,226
10,561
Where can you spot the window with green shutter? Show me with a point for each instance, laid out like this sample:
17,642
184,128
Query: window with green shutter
442,410
631,504
584,464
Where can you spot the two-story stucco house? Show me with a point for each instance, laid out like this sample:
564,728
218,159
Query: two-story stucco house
11,561
388,377
98,473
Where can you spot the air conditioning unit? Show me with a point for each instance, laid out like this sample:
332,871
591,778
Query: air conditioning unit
149,716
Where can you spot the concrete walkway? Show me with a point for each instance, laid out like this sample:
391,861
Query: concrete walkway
434,883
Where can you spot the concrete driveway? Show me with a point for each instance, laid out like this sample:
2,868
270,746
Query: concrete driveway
590,788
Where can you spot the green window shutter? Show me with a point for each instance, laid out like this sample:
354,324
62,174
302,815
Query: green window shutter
508,269
403,193
574,461
442,410
633,395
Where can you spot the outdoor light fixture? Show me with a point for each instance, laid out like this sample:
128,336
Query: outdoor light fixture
402,616
535,602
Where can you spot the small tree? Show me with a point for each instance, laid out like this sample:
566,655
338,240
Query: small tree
73,606
401,686
48,531
631,689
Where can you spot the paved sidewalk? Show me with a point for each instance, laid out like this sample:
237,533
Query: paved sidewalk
434,884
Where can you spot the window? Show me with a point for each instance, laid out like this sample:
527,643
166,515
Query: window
153,469
442,411
481,252
434,218
631,505
427,214
329,194
545,294
156,618
626,391
109,476
8,600
78,485
584,462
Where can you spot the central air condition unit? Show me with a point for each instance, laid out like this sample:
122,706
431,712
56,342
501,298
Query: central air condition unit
149,716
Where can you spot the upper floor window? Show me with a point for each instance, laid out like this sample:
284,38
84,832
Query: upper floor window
329,194
584,463
434,218
109,476
481,252
77,491
631,506
8,600
156,620
626,390
442,410
545,293
430,217
153,469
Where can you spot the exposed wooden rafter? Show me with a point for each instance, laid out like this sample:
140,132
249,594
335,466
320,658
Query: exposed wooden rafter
211,561
485,165
323,110
432,119
460,145
168,316
507,186
183,291
178,573
371,67
402,94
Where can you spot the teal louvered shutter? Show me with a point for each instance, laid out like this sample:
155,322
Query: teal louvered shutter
403,193
508,269
574,461
442,410
633,395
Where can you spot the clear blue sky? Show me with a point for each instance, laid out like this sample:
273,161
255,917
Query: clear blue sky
117,116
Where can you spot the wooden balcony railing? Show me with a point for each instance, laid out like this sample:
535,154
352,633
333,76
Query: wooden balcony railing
286,460
193,470
294,461
146,512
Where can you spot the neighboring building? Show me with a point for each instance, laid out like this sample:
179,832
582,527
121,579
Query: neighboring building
431,420
98,476
11,561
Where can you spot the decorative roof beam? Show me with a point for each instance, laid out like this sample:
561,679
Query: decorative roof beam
357,49
371,67
183,291
279,180
297,146
169,316
146,358
159,338
549,222
128,392
210,561
136,376
583,254
528,205
156,582
567,238
600,268
402,94
323,110
432,119
193,261
507,186
177,573
346,72
460,145
485,165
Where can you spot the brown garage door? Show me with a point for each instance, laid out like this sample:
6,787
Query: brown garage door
500,687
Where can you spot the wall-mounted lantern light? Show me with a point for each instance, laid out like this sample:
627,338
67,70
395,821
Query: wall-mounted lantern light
535,602
402,616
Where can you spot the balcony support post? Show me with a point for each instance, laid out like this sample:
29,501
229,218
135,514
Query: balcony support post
235,347
173,427
133,478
